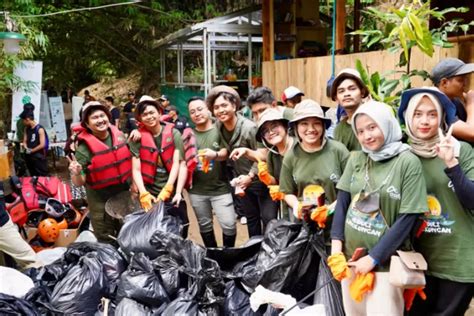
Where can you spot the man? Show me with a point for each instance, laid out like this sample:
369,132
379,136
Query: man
114,111
349,91
180,122
261,99
210,191
450,76
129,118
35,143
292,96
235,132
165,102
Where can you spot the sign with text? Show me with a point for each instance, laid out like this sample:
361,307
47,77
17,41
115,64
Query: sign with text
57,119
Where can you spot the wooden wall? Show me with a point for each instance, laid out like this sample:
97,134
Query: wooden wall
311,74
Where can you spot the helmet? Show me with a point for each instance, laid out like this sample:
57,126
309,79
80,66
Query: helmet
73,218
35,216
37,244
54,208
62,224
48,230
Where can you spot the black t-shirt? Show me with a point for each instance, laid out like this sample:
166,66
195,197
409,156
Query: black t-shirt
33,140
180,124
460,110
128,107
115,112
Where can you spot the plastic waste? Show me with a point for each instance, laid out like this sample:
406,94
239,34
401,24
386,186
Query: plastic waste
48,256
11,305
128,307
13,282
237,301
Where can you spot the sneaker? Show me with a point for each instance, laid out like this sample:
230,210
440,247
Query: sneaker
243,220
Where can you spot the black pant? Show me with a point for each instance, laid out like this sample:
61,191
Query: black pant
37,166
443,298
258,207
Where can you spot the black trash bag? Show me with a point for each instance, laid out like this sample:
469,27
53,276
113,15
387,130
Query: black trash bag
205,278
141,283
187,304
11,305
82,288
48,275
329,291
134,237
40,297
237,301
229,257
168,269
128,307
112,261
280,256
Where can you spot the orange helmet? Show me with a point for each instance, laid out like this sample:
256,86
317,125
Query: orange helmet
48,230
62,224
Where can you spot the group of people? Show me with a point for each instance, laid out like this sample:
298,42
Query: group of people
368,189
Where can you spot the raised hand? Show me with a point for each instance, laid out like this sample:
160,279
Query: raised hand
75,168
445,148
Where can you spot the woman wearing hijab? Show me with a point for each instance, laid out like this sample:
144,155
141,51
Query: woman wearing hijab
384,183
314,165
448,169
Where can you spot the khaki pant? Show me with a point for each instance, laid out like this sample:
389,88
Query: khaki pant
385,299
13,245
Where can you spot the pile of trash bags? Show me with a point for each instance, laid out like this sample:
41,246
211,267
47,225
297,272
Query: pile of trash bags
156,272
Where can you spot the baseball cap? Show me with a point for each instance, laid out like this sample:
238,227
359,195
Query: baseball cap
163,97
348,73
28,106
290,93
450,67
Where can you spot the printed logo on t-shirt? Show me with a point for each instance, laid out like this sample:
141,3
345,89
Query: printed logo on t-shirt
370,224
437,221
215,145
393,193
33,138
334,178
451,186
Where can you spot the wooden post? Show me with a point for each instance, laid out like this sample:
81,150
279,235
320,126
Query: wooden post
268,36
356,38
340,25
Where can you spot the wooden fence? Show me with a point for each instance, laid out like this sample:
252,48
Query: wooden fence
311,74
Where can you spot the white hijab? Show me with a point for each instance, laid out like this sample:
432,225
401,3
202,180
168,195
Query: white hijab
388,124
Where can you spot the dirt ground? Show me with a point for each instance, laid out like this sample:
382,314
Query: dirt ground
60,169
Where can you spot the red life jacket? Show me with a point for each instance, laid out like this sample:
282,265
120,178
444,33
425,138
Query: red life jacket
109,165
149,153
190,154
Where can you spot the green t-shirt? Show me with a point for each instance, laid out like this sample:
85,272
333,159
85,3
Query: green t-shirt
343,133
400,184
97,198
323,168
447,241
213,182
161,176
20,130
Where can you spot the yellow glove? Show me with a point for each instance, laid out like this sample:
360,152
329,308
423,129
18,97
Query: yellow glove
362,284
338,265
319,215
263,173
146,200
275,193
166,192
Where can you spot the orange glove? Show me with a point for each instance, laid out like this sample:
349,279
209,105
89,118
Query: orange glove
263,173
319,215
409,296
338,265
146,200
205,164
275,193
166,192
362,284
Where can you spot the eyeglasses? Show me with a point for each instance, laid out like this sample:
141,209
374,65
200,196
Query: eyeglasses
271,129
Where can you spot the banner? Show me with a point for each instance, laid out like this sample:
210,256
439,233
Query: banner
30,72
45,115
76,108
57,119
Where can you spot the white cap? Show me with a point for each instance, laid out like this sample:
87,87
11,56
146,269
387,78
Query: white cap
290,92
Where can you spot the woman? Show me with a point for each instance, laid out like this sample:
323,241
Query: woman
156,161
448,169
312,168
385,183
103,163
236,131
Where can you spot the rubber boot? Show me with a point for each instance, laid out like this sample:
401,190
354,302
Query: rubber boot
228,240
209,239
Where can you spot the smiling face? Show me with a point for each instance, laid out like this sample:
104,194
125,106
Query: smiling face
223,109
310,130
369,134
348,94
98,121
274,132
150,116
198,112
425,121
